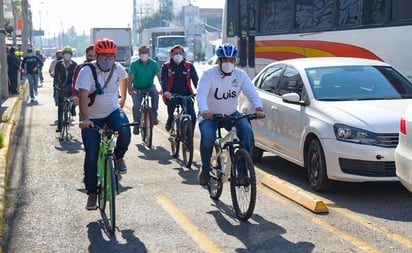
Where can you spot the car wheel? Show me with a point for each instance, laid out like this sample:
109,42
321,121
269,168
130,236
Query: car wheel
257,154
316,167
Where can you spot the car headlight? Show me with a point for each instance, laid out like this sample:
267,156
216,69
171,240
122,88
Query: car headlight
355,135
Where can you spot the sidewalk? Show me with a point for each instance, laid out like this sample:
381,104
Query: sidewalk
10,108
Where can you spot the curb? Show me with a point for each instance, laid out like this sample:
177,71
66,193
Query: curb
8,121
295,193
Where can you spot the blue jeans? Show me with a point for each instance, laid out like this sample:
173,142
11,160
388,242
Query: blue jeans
91,142
208,130
33,83
171,107
137,101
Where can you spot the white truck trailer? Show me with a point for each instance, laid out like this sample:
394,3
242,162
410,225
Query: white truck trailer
122,37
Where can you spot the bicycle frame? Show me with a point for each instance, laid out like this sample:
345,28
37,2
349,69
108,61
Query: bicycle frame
228,144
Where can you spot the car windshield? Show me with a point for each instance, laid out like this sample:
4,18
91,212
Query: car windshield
358,83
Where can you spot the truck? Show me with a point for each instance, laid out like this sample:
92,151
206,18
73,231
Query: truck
122,37
161,39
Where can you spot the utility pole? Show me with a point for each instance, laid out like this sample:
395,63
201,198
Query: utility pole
26,25
135,23
4,81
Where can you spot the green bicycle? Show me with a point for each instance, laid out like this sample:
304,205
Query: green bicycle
107,174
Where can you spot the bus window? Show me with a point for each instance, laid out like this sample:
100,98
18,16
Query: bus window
275,15
313,15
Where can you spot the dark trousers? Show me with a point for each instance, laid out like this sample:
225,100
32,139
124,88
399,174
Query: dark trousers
13,76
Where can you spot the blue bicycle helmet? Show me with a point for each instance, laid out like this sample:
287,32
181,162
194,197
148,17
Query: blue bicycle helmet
227,51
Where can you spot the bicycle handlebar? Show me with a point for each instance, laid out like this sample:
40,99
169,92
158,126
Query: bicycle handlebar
108,130
220,116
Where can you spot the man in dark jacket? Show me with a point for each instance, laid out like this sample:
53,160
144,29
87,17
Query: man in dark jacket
178,77
31,65
13,63
62,82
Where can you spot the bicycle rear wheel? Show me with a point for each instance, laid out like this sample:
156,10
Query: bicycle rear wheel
111,191
243,185
147,127
215,185
187,142
174,140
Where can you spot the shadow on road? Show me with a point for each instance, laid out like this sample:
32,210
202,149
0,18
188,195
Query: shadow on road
102,241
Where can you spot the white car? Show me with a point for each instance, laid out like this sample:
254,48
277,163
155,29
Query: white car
403,152
337,117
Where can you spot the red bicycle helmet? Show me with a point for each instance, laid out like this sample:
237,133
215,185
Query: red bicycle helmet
105,46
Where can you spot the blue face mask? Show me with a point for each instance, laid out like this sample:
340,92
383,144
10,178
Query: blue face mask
105,65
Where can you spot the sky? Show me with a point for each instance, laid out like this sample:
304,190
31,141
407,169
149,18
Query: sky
55,16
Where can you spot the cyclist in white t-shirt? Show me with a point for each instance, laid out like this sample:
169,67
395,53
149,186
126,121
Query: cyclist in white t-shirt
106,109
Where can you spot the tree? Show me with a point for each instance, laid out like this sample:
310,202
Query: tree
157,19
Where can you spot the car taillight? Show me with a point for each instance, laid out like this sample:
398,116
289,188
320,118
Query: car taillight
402,126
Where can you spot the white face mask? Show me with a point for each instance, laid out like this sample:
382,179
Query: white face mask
178,58
67,56
144,57
228,67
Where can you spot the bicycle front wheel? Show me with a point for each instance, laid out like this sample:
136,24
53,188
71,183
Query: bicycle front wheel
102,182
187,142
174,140
64,131
147,127
111,191
243,185
215,185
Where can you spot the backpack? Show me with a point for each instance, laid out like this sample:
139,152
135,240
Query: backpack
99,89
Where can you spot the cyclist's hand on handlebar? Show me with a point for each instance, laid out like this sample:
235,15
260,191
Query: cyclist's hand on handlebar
86,124
260,114
167,94
75,100
207,115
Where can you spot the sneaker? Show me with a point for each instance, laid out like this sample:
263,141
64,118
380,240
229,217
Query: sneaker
136,130
121,166
203,177
91,202
156,122
242,180
58,130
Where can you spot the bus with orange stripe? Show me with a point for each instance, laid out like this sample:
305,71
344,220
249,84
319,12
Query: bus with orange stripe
272,30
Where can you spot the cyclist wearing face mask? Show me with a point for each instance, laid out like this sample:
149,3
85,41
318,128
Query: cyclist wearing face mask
62,82
106,109
218,93
178,75
141,79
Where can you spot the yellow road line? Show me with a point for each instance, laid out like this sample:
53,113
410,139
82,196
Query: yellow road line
188,226
361,220
315,219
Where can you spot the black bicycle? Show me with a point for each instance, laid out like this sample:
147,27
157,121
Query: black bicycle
232,162
66,119
146,121
182,130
